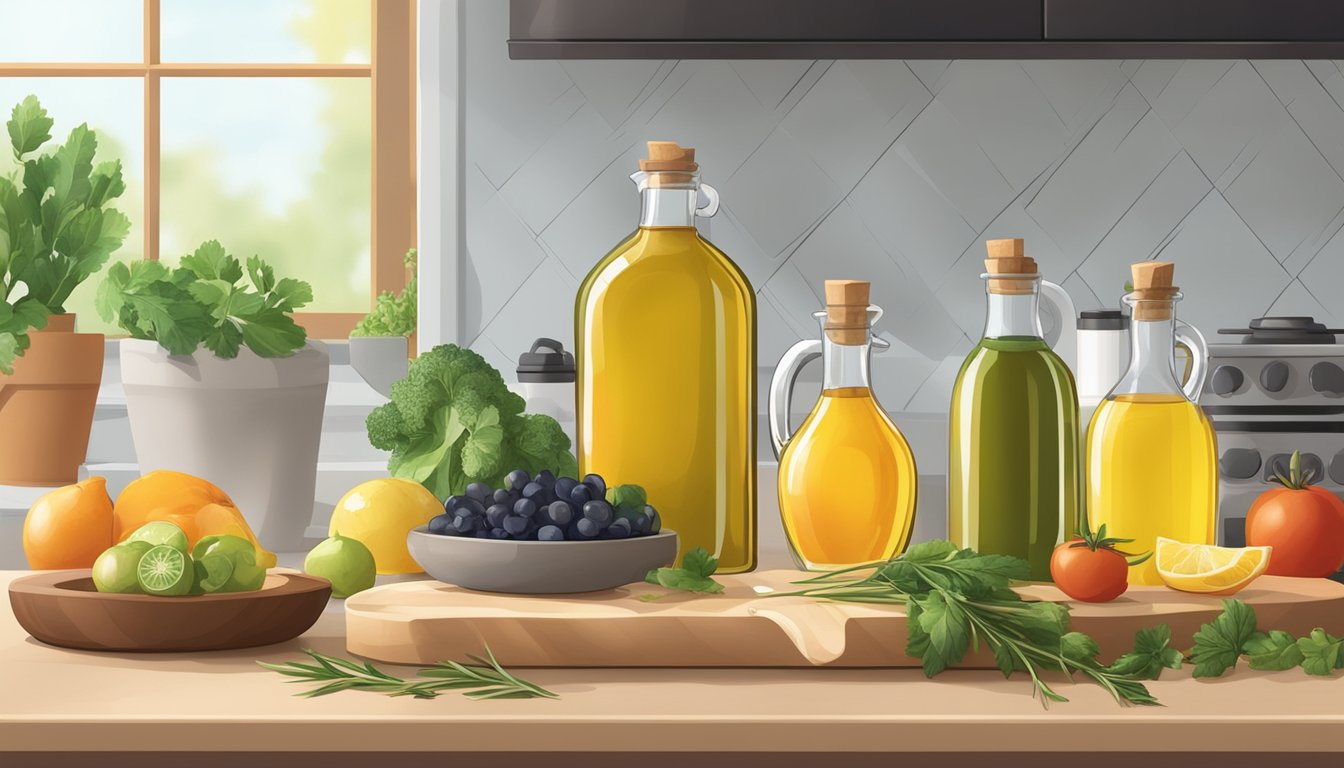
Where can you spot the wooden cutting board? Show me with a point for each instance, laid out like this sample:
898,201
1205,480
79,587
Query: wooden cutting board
422,622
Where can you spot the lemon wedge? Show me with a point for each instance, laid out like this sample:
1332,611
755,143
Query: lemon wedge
1207,569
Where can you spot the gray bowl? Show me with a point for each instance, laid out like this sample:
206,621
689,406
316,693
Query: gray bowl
540,567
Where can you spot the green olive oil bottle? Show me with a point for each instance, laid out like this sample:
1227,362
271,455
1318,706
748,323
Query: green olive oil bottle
1014,479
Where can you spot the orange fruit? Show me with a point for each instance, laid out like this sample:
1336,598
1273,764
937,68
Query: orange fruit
196,506
69,527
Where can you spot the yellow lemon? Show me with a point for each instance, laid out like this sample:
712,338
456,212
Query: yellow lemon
1207,569
379,513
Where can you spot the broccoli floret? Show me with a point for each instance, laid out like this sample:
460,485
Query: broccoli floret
453,421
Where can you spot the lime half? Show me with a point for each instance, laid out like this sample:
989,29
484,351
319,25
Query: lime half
165,571
115,569
161,533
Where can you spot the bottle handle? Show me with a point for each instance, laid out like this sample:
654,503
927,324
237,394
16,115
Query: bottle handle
1188,336
781,389
712,206
1063,338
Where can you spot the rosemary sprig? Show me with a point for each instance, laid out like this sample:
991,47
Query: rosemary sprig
481,679
955,599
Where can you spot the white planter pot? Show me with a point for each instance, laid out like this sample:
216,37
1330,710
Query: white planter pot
251,426
380,360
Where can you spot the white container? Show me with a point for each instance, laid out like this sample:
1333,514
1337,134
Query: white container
1103,352
251,426
546,382
380,360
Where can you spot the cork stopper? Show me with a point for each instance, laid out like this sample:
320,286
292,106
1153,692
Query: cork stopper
847,311
1008,257
1153,289
669,163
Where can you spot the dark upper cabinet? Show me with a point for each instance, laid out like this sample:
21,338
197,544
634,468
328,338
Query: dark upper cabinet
913,29
1195,20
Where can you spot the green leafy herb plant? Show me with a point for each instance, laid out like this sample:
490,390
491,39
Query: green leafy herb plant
483,678
206,302
56,224
393,314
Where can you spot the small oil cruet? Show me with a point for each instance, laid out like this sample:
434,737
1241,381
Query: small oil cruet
847,478
1152,455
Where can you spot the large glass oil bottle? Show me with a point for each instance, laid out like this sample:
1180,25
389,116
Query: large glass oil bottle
1014,484
666,356
847,478
1151,453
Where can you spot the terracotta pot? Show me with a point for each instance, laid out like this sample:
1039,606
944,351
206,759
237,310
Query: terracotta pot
251,425
46,406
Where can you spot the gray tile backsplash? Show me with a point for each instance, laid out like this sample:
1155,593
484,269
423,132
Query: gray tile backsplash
896,171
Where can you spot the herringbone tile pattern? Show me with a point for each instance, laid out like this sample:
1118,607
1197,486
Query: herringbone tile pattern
896,171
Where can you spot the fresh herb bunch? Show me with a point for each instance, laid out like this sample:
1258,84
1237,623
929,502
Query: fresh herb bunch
393,314
956,599
205,302
481,679
56,226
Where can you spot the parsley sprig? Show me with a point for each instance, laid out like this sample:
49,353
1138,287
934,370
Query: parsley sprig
694,575
956,599
1221,643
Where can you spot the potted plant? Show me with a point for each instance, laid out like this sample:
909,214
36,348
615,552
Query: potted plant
380,344
56,229
221,382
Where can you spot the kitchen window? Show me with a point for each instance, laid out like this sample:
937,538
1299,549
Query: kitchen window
282,128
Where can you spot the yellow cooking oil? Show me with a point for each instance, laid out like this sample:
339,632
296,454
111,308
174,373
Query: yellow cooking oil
1152,473
666,358
847,483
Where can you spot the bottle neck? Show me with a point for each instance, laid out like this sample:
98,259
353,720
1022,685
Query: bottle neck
1152,359
667,207
1013,314
845,365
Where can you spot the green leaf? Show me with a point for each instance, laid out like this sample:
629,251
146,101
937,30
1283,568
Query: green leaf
9,352
1219,643
679,578
224,341
1273,652
177,322
948,629
425,457
1006,661
1152,653
105,184
272,332
74,165
263,277
1079,649
291,294
930,551
484,445
1321,652
29,126
700,563
210,262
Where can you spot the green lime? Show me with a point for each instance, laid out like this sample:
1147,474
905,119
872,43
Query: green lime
165,571
214,571
346,563
245,576
161,533
115,568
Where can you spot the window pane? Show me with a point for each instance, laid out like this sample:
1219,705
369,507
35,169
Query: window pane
112,108
266,31
71,30
277,167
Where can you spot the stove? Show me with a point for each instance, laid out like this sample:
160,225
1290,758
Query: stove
1277,389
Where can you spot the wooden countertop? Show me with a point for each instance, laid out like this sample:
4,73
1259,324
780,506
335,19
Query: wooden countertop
53,700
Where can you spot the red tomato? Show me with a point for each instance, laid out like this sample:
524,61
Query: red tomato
1091,575
1305,526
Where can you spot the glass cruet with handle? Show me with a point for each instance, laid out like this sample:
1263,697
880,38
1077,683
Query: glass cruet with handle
847,477
1152,466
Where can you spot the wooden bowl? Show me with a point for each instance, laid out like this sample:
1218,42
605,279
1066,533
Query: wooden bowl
63,608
